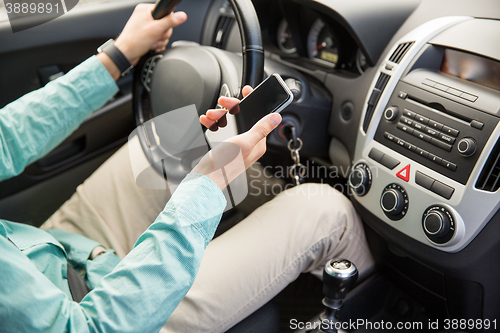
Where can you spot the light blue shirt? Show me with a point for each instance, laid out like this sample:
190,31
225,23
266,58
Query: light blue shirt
136,294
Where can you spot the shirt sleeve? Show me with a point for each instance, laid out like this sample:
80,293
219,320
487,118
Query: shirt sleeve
36,123
140,293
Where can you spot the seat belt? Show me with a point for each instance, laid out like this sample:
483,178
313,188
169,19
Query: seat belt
77,286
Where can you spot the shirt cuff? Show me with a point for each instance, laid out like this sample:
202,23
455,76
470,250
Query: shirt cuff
78,248
200,203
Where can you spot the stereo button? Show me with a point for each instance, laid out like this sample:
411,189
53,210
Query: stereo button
418,126
422,119
406,121
449,165
434,124
434,158
450,131
410,147
389,136
409,114
431,131
422,152
447,138
476,124
404,128
422,136
441,144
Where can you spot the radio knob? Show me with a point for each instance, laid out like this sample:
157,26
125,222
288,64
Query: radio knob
436,223
466,146
391,113
392,201
360,179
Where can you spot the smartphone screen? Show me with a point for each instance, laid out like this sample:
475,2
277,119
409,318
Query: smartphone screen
272,95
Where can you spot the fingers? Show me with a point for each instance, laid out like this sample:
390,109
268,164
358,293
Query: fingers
167,34
263,127
207,122
246,90
228,102
215,114
214,119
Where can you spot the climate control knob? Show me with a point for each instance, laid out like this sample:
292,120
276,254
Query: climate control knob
438,224
466,146
391,113
360,179
394,201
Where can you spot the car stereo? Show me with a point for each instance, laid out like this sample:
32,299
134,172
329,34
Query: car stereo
427,157
442,134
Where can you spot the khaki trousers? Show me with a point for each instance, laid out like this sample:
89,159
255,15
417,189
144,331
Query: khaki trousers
297,231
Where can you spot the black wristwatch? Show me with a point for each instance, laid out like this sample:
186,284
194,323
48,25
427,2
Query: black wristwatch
116,56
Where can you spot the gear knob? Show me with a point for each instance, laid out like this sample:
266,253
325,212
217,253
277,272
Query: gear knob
339,276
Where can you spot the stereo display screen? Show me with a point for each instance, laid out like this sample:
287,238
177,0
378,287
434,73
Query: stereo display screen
481,70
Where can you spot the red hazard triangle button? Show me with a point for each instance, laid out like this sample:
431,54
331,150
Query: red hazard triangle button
404,173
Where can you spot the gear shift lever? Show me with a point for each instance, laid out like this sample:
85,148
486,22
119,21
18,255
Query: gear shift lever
339,276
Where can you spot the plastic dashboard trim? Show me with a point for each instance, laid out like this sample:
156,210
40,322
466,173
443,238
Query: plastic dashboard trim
465,200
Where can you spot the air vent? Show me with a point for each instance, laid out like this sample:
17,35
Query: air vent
489,179
222,31
375,96
400,52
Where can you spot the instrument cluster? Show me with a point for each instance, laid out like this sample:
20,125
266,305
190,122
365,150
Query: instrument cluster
320,43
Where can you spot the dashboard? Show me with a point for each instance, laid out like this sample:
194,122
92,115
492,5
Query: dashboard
317,42
414,114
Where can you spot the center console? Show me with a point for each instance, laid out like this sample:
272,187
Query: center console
427,161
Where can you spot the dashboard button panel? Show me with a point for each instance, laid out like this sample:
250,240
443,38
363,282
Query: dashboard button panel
429,128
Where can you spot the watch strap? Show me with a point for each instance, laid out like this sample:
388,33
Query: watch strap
116,56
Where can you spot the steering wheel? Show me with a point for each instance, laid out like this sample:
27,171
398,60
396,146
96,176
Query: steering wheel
192,74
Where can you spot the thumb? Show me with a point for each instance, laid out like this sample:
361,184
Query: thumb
263,127
173,20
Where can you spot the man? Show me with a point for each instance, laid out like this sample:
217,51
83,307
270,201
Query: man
240,271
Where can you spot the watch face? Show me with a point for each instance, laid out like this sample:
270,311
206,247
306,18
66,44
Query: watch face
100,48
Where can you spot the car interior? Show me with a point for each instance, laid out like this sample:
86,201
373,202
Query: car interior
396,105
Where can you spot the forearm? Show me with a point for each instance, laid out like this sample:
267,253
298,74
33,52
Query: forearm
139,294
36,123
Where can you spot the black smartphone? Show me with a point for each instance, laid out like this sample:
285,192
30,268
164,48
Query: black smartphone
271,95
164,8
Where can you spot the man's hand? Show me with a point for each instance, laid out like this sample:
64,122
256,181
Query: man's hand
141,34
250,145
214,119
